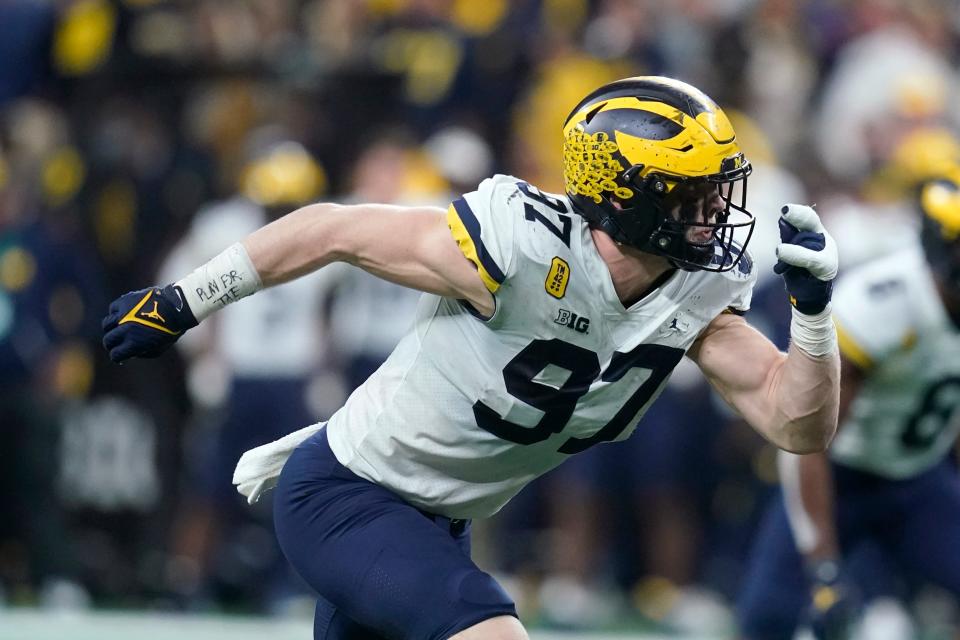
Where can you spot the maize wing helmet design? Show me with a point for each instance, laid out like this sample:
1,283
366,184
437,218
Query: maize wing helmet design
939,201
634,147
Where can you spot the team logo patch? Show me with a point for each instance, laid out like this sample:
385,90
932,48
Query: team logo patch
580,324
147,316
678,325
153,314
557,278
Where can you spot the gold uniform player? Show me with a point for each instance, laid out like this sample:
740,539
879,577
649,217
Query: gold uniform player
549,324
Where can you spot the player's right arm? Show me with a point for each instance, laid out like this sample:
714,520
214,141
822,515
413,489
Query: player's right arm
411,246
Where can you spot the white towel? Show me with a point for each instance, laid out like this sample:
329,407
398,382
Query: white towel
258,469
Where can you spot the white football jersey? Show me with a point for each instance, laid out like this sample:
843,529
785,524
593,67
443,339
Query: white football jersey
466,411
891,322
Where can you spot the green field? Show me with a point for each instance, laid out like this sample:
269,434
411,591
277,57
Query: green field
32,624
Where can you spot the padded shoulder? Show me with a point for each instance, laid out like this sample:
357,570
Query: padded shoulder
483,223
873,306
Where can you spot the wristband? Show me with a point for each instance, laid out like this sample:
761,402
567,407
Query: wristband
227,278
814,334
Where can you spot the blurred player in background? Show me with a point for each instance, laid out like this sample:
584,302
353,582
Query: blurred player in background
887,481
552,324
254,390
889,97
368,315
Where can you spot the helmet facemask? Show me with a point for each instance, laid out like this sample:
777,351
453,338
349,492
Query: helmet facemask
696,223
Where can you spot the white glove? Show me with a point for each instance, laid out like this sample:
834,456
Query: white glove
822,263
808,263
259,468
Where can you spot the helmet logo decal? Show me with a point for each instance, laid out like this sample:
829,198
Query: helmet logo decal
589,168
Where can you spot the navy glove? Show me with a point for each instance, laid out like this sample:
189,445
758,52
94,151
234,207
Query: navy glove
807,259
834,603
145,323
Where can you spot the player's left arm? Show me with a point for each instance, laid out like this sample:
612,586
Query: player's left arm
791,398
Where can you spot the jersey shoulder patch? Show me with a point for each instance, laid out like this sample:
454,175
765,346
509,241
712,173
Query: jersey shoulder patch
874,308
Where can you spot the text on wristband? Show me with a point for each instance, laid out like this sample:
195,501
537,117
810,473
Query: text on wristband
222,290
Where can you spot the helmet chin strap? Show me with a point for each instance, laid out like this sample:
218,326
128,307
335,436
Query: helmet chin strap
600,218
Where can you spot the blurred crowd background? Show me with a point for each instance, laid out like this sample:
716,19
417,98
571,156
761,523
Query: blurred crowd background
140,137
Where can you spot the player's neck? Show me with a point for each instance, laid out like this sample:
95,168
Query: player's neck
633,272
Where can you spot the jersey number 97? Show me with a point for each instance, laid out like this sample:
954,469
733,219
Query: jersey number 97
558,405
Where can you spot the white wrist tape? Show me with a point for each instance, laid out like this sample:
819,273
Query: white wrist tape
816,334
226,278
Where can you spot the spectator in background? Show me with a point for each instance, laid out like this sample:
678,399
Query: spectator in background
890,82
26,33
49,287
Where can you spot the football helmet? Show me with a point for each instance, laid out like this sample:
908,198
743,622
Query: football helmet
282,174
939,201
643,159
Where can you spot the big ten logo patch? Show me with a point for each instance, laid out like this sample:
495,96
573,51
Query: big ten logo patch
557,278
580,324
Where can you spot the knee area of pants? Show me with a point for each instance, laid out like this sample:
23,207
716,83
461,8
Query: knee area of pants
478,587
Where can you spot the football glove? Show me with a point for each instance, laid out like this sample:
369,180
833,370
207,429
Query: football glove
834,603
145,323
807,259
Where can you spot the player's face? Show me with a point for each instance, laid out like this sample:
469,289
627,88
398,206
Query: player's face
697,203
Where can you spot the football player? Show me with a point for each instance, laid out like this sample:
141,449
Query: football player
550,324
887,481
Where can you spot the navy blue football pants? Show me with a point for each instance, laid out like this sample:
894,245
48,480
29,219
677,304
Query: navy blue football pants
906,527
382,568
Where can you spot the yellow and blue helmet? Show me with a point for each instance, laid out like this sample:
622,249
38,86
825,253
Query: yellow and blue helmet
283,174
632,149
939,203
